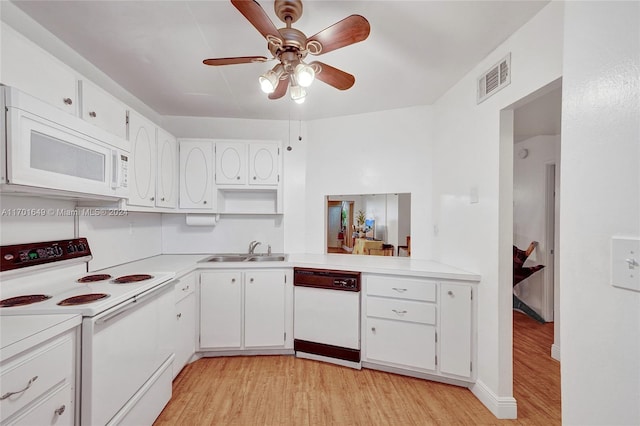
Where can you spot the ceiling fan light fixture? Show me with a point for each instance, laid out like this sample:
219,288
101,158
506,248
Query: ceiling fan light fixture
305,74
270,79
297,93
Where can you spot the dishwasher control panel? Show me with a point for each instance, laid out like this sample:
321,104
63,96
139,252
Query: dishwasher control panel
327,279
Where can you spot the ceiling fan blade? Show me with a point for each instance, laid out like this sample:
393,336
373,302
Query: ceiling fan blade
258,18
281,89
333,76
350,30
232,61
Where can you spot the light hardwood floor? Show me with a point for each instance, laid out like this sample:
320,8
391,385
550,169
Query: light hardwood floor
283,390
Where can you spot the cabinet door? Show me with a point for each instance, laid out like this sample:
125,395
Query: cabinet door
264,164
31,69
167,170
56,409
142,137
231,163
184,332
196,175
220,309
103,110
404,344
455,329
264,309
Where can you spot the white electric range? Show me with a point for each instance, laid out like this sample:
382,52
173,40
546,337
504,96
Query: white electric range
126,352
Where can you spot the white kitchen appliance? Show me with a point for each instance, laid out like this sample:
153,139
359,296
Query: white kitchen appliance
45,149
327,315
126,351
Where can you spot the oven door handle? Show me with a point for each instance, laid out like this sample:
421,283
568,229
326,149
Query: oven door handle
132,303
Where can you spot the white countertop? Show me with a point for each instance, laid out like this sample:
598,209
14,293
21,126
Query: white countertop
22,332
184,263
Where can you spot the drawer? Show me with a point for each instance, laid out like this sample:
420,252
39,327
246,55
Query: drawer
403,288
402,310
45,367
56,409
184,287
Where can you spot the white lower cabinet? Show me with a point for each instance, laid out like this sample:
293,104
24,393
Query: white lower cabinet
244,309
38,386
185,323
419,325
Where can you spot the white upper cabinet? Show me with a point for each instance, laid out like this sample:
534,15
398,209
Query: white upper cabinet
102,110
167,170
34,71
231,163
264,163
247,163
196,175
142,175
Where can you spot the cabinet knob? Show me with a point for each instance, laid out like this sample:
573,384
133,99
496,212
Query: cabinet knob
60,410
152,198
237,177
162,199
67,101
92,114
179,315
373,329
233,280
450,293
204,202
250,280
254,178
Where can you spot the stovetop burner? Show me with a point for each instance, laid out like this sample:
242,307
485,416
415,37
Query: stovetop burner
132,278
23,300
94,278
82,299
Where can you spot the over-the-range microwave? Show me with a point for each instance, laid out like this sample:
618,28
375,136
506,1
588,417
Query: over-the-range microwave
46,150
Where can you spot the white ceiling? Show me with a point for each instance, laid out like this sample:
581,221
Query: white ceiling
154,49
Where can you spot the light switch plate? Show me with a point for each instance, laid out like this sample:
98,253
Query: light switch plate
625,262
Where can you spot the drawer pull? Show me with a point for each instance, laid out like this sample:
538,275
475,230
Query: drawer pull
399,312
92,114
399,290
60,410
179,315
185,288
373,329
67,101
8,394
450,293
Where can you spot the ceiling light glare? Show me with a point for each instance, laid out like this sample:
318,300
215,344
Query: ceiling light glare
304,74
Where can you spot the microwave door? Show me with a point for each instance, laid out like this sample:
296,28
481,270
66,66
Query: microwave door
46,155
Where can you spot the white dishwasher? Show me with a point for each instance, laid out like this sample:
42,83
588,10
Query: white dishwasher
327,315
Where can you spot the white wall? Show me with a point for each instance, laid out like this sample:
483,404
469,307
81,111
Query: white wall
529,210
600,329
471,156
284,233
376,153
29,219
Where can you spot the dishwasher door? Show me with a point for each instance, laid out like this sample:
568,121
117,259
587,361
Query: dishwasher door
329,317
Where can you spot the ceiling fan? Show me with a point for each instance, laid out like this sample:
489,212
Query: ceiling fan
291,46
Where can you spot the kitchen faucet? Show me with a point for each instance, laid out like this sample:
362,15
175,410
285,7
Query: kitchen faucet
253,245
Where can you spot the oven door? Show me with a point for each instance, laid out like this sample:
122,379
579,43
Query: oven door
122,348
49,149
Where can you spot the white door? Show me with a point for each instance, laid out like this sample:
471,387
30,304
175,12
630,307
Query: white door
142,137
455,329
231,163
220,310
167,170
103,110
264,163
264,309
196,175
184,337
402,343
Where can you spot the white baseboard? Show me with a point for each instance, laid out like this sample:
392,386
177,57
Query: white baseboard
555,352
501,407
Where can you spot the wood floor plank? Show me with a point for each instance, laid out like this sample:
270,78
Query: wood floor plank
284,390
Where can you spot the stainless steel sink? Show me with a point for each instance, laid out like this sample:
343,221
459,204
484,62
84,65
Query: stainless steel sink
245,257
